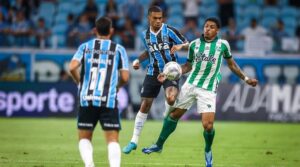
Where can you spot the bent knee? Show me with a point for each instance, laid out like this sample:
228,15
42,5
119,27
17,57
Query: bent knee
208,126
171,100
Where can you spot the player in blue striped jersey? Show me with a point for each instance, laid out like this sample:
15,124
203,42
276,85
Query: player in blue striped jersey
161,43
104,69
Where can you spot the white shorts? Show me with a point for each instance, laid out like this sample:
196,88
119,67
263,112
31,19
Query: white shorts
189,94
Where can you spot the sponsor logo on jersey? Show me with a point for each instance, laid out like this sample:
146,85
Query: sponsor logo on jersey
202,57
91,97
105,52
158,47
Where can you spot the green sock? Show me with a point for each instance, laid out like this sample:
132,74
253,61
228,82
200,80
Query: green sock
168,127
209,137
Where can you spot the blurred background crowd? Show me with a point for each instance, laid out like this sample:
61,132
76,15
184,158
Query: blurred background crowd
267,25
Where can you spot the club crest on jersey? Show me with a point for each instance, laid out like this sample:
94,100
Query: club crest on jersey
165,39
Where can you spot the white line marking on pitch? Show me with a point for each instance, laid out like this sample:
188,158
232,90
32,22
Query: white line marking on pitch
142,164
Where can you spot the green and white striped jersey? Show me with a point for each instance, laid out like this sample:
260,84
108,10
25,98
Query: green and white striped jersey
206,60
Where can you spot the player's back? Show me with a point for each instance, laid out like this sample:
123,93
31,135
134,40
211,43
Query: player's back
99,74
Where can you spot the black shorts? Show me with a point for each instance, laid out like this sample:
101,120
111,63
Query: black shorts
89,116
151,86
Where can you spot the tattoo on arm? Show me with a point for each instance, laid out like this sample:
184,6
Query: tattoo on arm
235,68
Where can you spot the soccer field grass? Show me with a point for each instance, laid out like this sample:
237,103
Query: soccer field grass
53,142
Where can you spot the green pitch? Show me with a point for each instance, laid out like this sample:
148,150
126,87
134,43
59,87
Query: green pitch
53,143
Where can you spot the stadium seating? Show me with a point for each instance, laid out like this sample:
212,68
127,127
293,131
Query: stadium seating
244,10
272,73
270,12
269,22
252,11
291,73
288,11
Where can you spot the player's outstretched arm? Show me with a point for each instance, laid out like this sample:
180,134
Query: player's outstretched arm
73,66
179,47
141,58
236,69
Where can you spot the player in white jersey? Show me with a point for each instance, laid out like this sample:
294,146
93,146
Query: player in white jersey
204,62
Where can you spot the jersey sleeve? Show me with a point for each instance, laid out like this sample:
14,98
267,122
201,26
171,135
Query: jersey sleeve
123,58
191,52
226,50
143,38
176,36
79,53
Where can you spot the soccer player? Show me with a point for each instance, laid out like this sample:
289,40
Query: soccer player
161,42
204,61
104,69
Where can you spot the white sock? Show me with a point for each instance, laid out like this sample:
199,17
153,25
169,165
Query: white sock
86,152
114,154
168,109
140,119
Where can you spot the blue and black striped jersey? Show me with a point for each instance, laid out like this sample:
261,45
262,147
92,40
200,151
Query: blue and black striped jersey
158,46
101,61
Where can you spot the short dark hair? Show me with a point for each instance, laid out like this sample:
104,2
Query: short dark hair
103,25
154,9
215,20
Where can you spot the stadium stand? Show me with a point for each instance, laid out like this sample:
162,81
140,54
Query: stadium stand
266,14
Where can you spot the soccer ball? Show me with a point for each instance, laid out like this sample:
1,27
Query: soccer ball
172,71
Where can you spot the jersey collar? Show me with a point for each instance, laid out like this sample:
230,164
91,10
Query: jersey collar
155,33
203,39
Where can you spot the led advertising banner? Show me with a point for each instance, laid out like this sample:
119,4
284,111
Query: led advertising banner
271,102
38,99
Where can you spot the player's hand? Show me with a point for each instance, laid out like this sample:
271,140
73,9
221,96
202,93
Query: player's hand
175,48
161,77
252,82
136,64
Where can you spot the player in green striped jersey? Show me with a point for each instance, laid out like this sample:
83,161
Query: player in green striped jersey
204,62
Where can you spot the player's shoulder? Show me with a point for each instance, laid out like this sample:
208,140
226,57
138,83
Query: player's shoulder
84,44
224,42
170,27
193,42
119,47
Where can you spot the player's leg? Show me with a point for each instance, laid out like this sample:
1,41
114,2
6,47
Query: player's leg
85,147
150,90
113,147
209,131
110,123
185,101
171,93
206,105
208,134
141,118
87,119
169,126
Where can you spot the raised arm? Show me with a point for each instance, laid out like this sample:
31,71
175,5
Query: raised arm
179,47
236,70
